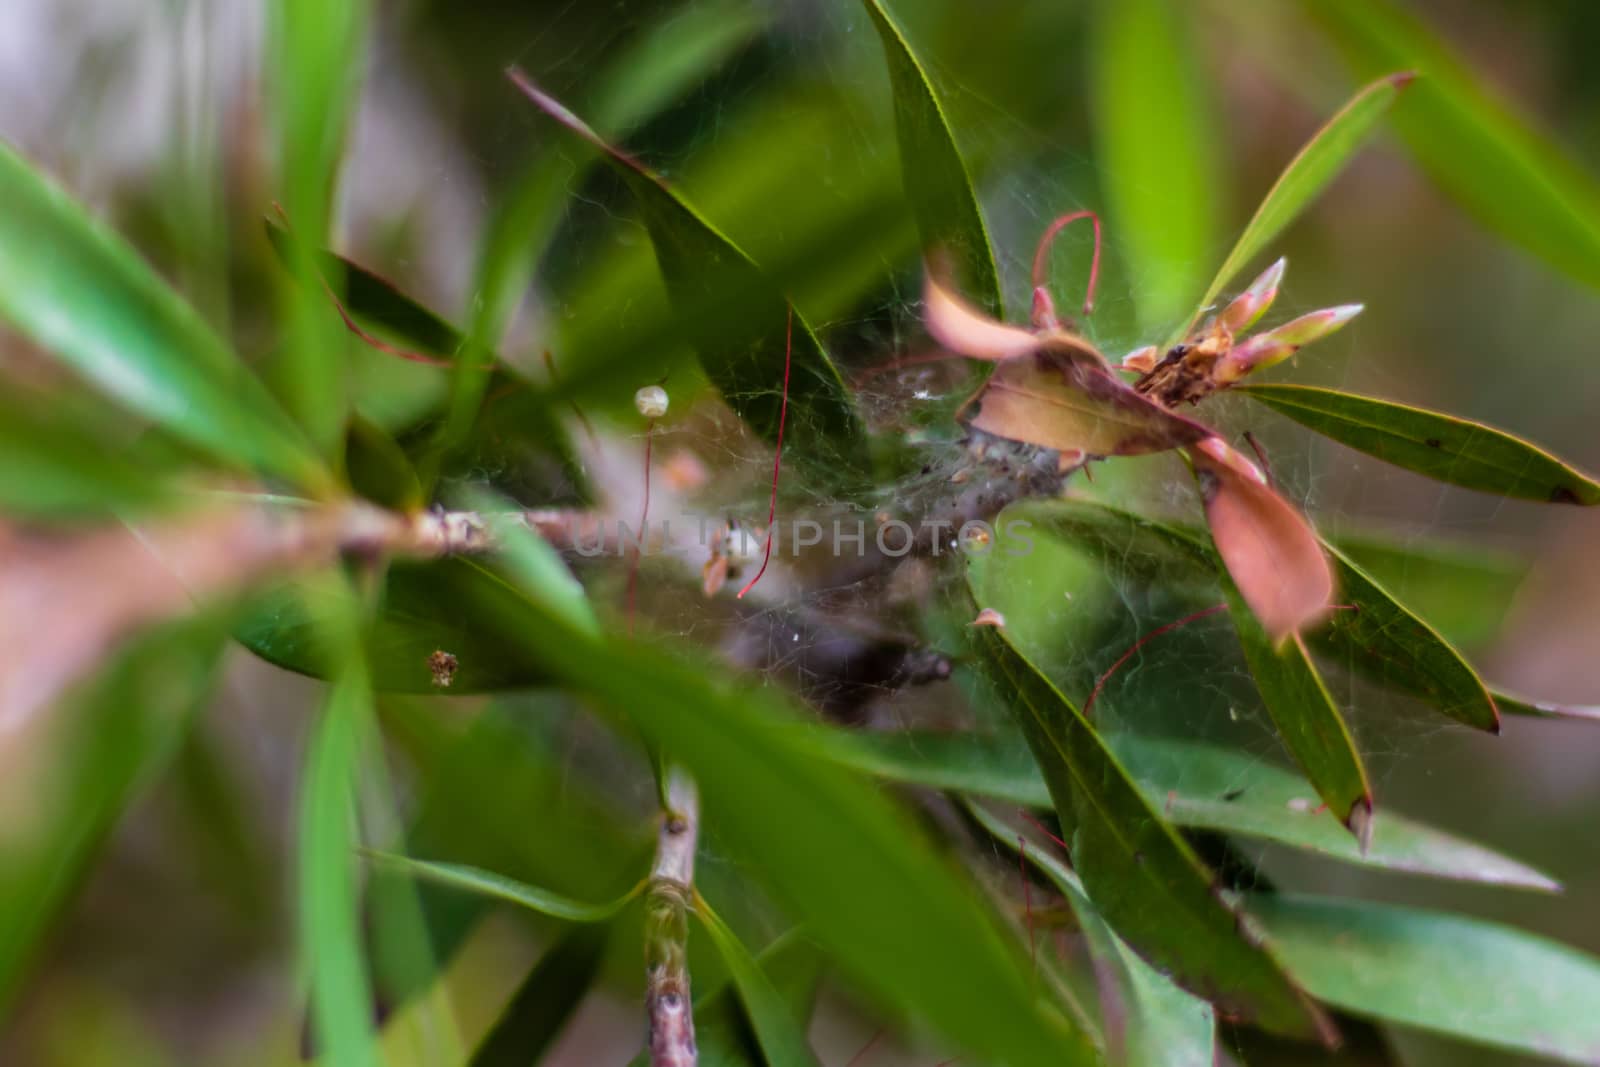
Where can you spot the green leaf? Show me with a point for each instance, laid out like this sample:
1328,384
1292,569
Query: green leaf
1377,636
1484,155
116,733
1443,447
779,1034
935,176
739,321
1462,590
1470,979
1140,873
330,934
849,865
1215,789
1197,786
1154,1023
1308,174
547,997
487,883
372,299
532,563
668,58
425,608
56,468
1151,108
316,56
1308,721
97,306
475,796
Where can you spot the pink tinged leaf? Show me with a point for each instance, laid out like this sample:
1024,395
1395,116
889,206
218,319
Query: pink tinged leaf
67,602
1277,345
1249,305
962,328
1066,397
1269,548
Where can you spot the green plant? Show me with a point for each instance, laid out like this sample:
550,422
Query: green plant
451,529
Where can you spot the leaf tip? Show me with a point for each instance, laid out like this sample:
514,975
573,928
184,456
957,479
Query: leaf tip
1401,79
989,617
1359,822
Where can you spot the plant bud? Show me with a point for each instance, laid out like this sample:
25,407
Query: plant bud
1142,360
1275,346
1249,305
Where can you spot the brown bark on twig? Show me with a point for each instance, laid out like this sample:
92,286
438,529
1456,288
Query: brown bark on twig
667,902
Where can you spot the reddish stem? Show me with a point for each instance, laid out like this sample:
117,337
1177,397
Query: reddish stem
873,1040
368,339
1041,255
644,518
777,459
588,430
1027,904
1043,829
1137,645
1141,643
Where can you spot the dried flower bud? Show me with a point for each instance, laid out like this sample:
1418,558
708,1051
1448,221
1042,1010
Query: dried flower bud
651,401
1249,305
1142,360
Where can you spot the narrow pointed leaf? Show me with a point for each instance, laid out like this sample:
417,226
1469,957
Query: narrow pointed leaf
1307,175
1532,707
1478,149
487,883
1377,636
546,999
425,608
374,300
1443,447
95,305
1463,977
1197,786
54,468
1152,106
314,64
937,183
1308,721
1380,638
329,924
664,60
849,865
1154,1022
737,318
1140,873
1461,590
1271,551
779,1034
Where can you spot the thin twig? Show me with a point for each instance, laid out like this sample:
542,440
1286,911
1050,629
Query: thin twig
666,933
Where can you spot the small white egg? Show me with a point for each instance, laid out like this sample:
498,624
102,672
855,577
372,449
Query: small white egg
651,401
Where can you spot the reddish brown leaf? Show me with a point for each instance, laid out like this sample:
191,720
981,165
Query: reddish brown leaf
1063,396
960,327
1268,546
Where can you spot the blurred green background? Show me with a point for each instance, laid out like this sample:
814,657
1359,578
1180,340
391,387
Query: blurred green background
172,950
